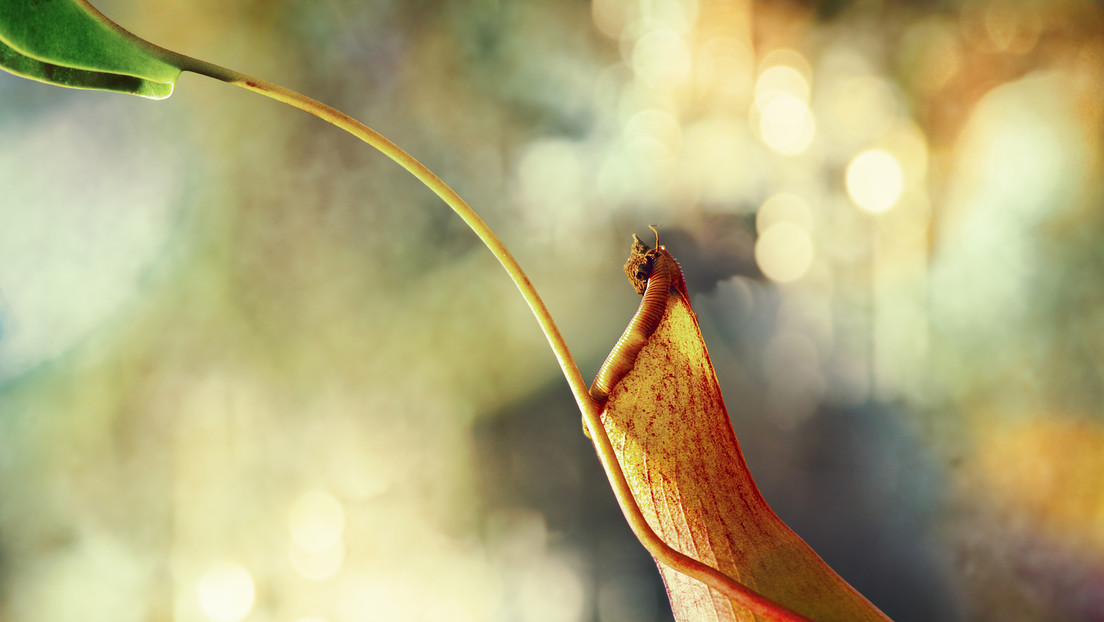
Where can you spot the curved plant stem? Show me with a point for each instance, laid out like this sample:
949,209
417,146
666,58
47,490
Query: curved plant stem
663,552
590,409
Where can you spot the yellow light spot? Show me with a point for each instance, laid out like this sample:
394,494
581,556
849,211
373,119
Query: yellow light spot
875,180
780,80
316,521
362,597
725,70
784,207
789,58
784,252
781,112
317,565
855,109
678,15
225,592
661,59
786,124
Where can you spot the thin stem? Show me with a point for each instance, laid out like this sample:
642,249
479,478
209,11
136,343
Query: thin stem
590,409
427,177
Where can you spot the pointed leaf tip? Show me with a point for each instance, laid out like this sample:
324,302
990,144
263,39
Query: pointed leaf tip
70,43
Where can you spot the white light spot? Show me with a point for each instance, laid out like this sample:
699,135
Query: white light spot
316,521
781,80
784,252
661,59
786,124
875,180
678,15
789,58
317,565
784,207
376,598
225,592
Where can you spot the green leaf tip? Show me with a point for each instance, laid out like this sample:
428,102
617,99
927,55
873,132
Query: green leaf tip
70,43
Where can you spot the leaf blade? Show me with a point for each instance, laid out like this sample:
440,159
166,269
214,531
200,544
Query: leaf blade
69,43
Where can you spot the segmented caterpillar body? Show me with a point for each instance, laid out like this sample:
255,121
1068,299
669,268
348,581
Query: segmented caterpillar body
656,272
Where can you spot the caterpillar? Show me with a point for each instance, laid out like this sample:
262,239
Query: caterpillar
654,273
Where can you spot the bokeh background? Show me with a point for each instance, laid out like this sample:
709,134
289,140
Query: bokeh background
250,370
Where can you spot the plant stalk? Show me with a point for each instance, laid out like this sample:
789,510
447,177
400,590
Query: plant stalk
589,408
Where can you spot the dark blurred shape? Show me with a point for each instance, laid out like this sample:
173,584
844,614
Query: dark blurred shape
831,9
712,248
533,454
863,491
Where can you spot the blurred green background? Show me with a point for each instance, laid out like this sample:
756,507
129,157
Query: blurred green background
251,370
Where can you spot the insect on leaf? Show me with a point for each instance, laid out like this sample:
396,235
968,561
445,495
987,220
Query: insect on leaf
70,43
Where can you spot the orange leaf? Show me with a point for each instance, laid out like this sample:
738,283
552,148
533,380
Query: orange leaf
673,438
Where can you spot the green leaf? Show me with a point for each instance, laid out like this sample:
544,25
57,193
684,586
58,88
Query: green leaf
70,43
